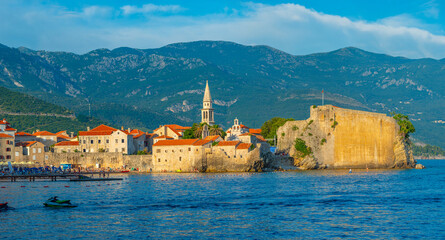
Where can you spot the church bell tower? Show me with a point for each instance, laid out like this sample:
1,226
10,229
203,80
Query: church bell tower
207,110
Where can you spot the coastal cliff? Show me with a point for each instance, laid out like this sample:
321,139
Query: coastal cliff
342,138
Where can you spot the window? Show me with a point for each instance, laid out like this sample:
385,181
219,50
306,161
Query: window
165,160
8,149
33,150
84,142
34,157
180,150
158,150
159,160
117,141
190,149
115,150
16,154
9,157
84,150
98,141
197,150
240,156
108,141
180,158
123,149
1,157
39,150
173,150
92,141
166,150
123,140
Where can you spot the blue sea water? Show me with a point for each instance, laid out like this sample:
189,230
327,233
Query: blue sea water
325,204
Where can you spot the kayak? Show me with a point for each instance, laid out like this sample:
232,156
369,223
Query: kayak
56,203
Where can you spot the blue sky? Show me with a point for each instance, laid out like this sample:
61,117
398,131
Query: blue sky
413,28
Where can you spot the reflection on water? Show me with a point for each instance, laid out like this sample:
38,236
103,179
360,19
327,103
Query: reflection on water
326,204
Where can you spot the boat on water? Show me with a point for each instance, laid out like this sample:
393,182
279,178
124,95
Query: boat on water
3,206
56,203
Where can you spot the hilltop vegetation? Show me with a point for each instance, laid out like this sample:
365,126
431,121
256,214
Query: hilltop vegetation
22,103
27,113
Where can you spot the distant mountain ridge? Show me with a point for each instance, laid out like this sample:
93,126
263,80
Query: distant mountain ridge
148,87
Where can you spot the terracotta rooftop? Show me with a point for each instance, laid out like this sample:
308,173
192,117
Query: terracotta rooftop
3,135
102,128
201,142
8,128
25,144
178,142
22,134
244,146
255,131
67,143
246,134
261,138
228,143
243,126
4,121
212,138
43,133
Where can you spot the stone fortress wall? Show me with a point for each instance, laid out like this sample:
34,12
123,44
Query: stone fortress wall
344,138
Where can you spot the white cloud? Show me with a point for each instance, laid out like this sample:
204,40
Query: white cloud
289,27
150,8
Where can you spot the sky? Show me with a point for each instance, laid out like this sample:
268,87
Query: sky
408,28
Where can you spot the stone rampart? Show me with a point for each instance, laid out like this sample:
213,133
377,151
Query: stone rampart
344,138
104,160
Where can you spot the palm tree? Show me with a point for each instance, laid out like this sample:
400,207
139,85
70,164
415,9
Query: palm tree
198,130
216,130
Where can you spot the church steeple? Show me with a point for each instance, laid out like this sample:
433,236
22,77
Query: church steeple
207,110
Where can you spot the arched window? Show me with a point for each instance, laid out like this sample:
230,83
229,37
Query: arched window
8,157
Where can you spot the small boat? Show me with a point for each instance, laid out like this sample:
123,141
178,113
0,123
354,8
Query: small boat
125,171
56,203
3,206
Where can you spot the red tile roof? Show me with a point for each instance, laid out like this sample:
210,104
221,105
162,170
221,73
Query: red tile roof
68,143
228,143
178,142
201,142
261,138
61,132
246,134
63,136
255,131
43,133
102,128
8,128
243,126
22,134
4,121
212,138
244,146
3,135
25,144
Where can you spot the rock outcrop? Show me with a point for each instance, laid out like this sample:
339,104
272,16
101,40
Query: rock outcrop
344,138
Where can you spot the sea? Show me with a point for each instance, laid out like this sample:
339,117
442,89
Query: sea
319,204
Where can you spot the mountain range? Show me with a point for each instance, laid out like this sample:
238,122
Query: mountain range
147,87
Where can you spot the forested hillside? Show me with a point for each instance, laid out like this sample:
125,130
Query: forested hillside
27,113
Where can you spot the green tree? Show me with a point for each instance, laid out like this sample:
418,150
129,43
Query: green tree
406,127
302,149
270,127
